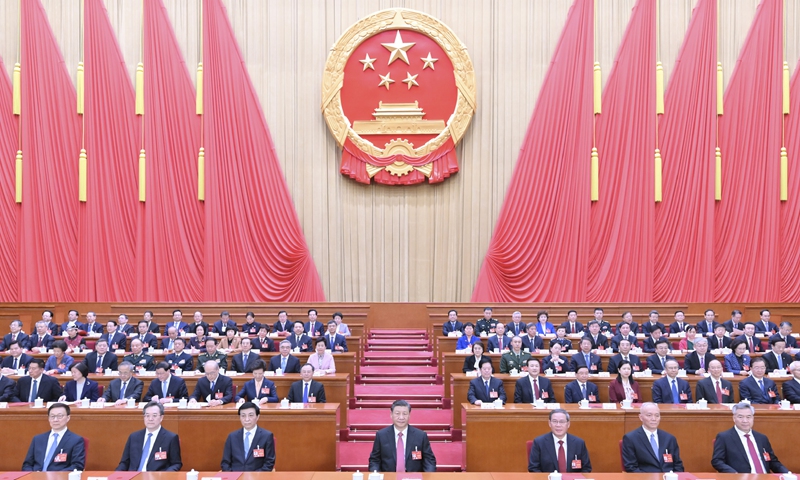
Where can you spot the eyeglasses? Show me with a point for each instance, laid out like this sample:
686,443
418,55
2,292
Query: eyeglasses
559,422
57,417
151,416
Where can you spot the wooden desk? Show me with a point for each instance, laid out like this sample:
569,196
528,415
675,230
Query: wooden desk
460,387
502,434
202,432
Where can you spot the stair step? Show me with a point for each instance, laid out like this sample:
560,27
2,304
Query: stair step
354,456
387,403
435,380
425,419
369,436
406,354
424,391
377,332
398,371
399,362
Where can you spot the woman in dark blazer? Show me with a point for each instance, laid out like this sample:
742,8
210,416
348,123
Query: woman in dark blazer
474,361
90,388
738,361
199,341
624,386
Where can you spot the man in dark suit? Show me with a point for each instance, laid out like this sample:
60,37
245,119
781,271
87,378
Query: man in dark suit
7,387
599,341
198,322
452,324
785,333
15,359
58,450
286,362
299,339
486,388
41,341
168,342
259,390
649,343
123,326
696,362
730,454
47,317
652,323
679,325
261,342
764,325
516,327
72,319
757,388
243,362
251,449
648,449
116,340
283,325
213,388
158,451
499,341
548,453
125,387
91,325
152,326
581,388
627,317
307,390
670,388
734,326
313,327
791,388
656,363
146,336
532,387
777,358
532,342
165,387
335,342
250,326
719,340
141,361
624,354
714,389
101,359
572,325
706,326
224,324
179,358
36,385
212,353
412,442
585,357
624,333
16,335
177,322
753,343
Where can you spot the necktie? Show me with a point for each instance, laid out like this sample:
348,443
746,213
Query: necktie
664,363
212,389
305,393
702,363
675,397
750,344
719,393
535,389
16,363
145,452
99,362
780,361
401,454
654,445
283,364
583,391
246,444
171,344
500,342
562,457
34,390
573,327
49,457
244,360
586,358
486,382
122,390
761,385
754,454
164,389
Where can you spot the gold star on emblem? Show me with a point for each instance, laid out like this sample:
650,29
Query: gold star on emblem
429,61
385,80
398,49
411,80
368,62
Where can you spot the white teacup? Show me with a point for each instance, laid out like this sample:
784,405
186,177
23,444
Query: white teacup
539,403
584,403
554,476
703,403
84,403
670,476
627,403
182,403
192,475
788,476
75,475
131,403
786,404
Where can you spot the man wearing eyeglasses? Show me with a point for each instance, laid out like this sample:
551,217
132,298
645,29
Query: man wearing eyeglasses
250,449
59,450
153,449
558,450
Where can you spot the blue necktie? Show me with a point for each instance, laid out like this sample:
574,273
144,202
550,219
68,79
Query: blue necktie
145,452
583,391
122,390
283,364
586,356
653,444
780,362
164,389
246,444
34,390
486,382
761,384
675,397
212,389
305,393
49,457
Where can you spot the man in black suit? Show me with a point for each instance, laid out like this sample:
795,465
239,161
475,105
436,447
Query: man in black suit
412,444
652,323
753,343
179,358
623,333
224,324
7,387
758,388
670,388
72,319
791,388
15,359
499,342
656,363
777,358
730,454
624,354
764,325
572,325
307,390
549,451
627,317
286,362
198,322
679,325
585,357
452,324
47,317
486,388
335,342
141,361
122,388
648,449
300,340
313,327
243,362
785,333
283,324
719,340
261,342
166,387
696,362
146,336
581,388
706,326
123,326
101,359
516,327
168,342
116,340
41,341
599,341
213,388
91,325
158,451
532,342
714,389
251,449
734,326
532,387
58,450
16,335
36,385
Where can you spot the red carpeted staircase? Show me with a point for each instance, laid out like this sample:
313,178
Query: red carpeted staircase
399,364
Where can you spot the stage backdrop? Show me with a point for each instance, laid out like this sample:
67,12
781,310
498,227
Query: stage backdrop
376,243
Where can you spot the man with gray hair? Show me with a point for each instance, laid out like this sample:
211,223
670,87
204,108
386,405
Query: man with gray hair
696,362
16,335
550,451
213,388
791,388
286,362
648,449
743,450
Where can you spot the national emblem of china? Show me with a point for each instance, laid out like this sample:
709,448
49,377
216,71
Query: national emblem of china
398,94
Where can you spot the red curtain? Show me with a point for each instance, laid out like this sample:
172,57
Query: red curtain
9,210
50,144
790,210
620,239
538,250
684,234
255,249
747,219
106,262
171,229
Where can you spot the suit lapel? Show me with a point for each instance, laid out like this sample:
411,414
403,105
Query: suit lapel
645,442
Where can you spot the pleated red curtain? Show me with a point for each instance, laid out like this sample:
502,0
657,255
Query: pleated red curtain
790,210
538,250
9,210
107,226
684,220
747,220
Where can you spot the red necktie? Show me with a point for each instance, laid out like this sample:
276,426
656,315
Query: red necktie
754,454
719,393
500,342
573,327
750,344
401,454
562,457
535,389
